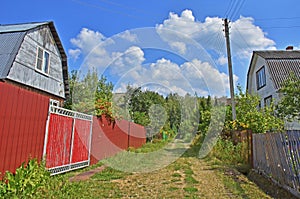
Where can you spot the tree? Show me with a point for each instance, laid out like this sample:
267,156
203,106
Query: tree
103,98
250,116
289,105
83,93
72,82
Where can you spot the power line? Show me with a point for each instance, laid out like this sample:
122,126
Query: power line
271,27
237,9
276,18
229,8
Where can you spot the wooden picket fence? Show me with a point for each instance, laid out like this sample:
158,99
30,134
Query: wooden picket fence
277,155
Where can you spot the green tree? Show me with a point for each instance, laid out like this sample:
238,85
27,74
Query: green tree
250,116
72,82
289,105
103,98
173,108
84,92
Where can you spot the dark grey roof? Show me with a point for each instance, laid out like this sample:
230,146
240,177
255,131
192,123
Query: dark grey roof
20,27
11,37
9,46
280,69
279,54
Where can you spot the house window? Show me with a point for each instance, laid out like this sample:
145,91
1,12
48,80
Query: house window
268,101
42,60
261,78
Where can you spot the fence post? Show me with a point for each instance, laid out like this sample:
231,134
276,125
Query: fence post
46,134
250,148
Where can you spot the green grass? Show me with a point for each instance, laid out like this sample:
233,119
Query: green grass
178,180
190,189
109,174
176,175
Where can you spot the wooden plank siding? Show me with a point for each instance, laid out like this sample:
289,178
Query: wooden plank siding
24,69
23,116
277,155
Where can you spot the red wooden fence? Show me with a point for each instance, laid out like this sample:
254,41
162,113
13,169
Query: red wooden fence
109,139
23,116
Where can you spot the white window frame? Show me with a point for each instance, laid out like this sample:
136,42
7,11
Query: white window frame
43,68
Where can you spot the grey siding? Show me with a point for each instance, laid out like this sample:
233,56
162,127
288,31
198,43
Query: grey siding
23,69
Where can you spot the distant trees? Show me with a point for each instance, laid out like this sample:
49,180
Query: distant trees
175,114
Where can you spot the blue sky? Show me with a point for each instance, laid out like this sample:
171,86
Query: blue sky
171,46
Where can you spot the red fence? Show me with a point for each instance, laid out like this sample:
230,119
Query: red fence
68,140
23,116
23,121
110,138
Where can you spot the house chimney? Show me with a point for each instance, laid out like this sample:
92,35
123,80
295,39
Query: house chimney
289,48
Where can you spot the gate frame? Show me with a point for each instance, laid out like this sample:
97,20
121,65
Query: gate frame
55,109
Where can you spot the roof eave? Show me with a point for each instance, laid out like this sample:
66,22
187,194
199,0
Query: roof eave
63,57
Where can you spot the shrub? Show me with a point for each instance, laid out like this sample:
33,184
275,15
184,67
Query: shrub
26,181
229,153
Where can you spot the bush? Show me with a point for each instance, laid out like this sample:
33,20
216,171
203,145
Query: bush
26,181
229,153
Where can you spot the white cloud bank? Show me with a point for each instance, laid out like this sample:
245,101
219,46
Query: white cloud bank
245,35
194,75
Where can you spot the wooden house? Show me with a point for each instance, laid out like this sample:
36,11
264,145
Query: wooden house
32,57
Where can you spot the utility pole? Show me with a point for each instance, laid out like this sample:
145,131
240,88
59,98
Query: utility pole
230,69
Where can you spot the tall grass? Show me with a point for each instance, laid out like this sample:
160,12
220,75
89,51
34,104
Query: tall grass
230,153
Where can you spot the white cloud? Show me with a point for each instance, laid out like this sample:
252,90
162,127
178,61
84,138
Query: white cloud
166,76
245,35
91,45
74,53
128,36
222,60
87,39
123,62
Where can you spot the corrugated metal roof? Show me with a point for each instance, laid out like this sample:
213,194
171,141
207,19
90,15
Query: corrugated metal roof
20,27
279,54
9,46
280,69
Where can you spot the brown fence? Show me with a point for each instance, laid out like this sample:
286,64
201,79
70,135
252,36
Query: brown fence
109,138
23,116
277,155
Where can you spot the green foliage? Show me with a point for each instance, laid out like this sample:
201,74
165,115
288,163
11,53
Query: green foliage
84,92
26,181
103,98
250,116
289,105
90,95
229,153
